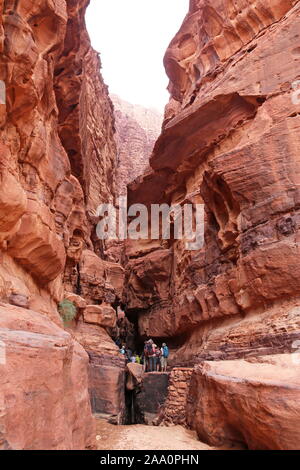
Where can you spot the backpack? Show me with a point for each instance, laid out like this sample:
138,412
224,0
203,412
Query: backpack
148,350
166,351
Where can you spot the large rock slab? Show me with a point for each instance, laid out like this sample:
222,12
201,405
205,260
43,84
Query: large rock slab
40,363
135,375
256,403
153,392
106,370
102,315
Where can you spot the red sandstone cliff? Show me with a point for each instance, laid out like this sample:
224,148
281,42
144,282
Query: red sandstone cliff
230,140
137,129
57,163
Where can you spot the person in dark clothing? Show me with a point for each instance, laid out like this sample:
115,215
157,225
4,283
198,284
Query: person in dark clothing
128,355
151,355
147,350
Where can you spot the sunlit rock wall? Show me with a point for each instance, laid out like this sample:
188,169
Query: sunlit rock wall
57,164
137,129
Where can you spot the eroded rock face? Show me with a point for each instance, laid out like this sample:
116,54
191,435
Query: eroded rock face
252,402
106,370
137,129
102,315
153,392
217,150
230,141
57,164
40,363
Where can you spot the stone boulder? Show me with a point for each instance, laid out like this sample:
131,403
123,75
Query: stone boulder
106,370
255,403
39,364
100,280
102,315
153,392
78,301
135,375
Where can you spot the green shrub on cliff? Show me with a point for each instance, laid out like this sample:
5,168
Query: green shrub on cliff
67,310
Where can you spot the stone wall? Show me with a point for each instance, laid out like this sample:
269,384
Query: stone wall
174,411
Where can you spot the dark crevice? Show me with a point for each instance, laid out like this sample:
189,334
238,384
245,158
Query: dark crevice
134,414
78,282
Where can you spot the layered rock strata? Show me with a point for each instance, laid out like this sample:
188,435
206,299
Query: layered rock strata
230,141
137,129
57,164
44,400
255,402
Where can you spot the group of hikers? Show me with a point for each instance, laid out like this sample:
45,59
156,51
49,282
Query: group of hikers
156,358
153,358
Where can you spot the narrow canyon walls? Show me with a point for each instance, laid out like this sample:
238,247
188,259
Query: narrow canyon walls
230,141
229,311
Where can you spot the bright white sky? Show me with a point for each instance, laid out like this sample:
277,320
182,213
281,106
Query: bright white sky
132,37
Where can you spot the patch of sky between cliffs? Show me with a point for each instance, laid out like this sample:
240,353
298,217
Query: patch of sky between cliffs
132,37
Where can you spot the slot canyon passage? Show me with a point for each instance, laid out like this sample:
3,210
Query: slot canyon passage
229,312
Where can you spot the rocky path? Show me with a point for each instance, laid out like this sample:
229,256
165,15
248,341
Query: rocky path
141,437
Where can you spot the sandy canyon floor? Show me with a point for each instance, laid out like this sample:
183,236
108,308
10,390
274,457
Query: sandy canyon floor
141,437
